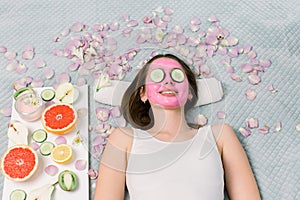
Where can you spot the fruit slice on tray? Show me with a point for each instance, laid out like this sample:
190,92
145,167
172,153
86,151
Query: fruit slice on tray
67,180
62,154
67,93
18,133
19,163
59,118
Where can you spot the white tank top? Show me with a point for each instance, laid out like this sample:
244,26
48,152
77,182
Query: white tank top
190,170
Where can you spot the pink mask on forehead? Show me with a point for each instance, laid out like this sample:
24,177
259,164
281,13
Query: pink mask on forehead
166,93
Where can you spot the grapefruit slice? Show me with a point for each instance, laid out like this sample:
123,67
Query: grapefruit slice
59,118
19,163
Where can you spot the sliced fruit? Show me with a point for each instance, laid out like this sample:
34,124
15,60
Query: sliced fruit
62,154
18,133
42,193
67,180
19,163
17,194
48,94
157,75
59,118
46,148
67,93
177,75
39,135
23,91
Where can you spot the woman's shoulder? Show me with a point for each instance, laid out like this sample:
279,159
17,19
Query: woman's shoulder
121,137
222,132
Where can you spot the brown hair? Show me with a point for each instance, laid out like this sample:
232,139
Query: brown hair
138,113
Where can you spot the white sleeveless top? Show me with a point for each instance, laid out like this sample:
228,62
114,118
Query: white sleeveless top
190,170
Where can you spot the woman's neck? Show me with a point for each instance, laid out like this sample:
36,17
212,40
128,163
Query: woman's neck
170,121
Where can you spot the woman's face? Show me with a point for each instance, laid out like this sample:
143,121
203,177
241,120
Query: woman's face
166,83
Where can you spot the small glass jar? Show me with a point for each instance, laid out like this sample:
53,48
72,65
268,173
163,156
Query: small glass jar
29,106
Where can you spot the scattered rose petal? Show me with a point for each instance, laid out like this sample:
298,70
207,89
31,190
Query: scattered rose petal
278,127
244,131
63,77
35,146
28,55
254,79
98,140
49,73
10,55
200,120
298,127
103,129
236,77
251,54
246,68
77,27
120,121
264,129
12,66
221,115
169,11
102,114
82,112
247,48
272,89
132,23
93,174
115,111
51,170
6,112
265,63
39,63
250,94
21,68
80,164
3,49
60,140
252,123
213,19
37,82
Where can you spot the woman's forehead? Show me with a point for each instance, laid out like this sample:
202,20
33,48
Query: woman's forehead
165,63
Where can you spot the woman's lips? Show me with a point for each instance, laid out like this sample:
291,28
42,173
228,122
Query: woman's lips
168,93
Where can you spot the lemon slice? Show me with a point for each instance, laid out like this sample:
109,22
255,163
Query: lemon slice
62,154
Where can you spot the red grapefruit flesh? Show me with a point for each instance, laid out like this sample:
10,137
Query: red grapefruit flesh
19,163
59,118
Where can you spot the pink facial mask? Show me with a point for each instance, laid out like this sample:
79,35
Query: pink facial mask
167,92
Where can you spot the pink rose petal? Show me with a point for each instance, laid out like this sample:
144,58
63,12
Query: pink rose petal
63,77
3,49
221,115
35,146
93,174
246,68
60,140
254,79
37,82
264,129
51,170
252,123
80,164
250,94
272,89
169,11
278,127
12,66
10,55
102,114
49,73
6,112
28,55
200,120
236,77
298,127
39,63
103,128
115,111
82,112
247,48
244,131
21,68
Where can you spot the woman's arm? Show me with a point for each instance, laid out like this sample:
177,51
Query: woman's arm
239,179
112,169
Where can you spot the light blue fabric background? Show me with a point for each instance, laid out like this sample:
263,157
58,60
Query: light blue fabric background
272,27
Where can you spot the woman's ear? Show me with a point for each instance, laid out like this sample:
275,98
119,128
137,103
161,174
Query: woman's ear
143,94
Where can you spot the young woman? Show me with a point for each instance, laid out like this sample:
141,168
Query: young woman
162,157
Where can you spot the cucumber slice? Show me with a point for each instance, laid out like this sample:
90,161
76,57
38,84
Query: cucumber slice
39,135
46,148
177,75
157,75
17,194
48,94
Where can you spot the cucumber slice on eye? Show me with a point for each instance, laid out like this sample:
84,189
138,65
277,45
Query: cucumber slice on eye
157,75
48,94
46,148
177,75
39,135
17,194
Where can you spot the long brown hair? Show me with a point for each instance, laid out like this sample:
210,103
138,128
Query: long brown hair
138,113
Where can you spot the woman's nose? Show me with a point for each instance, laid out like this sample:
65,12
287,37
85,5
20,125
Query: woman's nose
169,82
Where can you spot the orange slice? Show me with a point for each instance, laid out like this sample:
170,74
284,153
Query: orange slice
59,118
62,154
